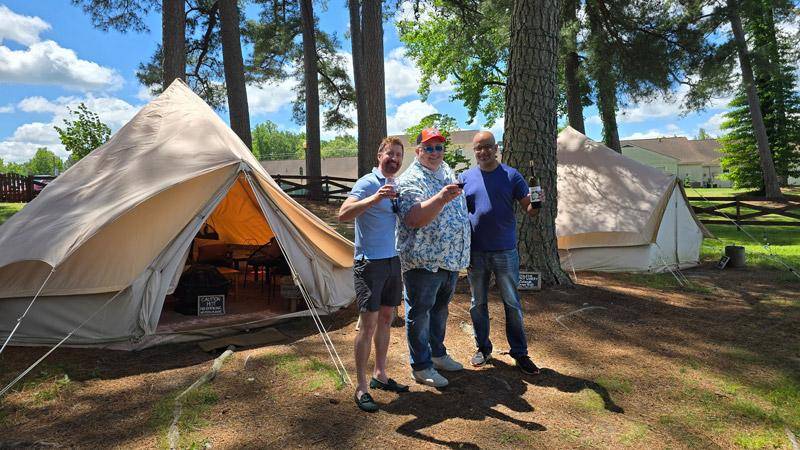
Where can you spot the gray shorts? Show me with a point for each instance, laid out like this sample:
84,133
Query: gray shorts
378,282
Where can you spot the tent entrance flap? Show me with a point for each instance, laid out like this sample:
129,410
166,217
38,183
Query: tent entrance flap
252,282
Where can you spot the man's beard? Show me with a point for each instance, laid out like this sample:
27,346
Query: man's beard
390,167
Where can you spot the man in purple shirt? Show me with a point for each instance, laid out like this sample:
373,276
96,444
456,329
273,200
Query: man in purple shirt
491,190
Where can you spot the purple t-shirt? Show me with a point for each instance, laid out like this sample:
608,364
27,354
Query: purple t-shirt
490,204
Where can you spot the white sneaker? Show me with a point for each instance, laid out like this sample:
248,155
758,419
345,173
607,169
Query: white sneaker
429,377
480,359
446,363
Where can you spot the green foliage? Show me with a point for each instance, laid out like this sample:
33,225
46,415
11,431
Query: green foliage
270,143
195,404
83,133
45,162
340,146
445,124
312,372
776,84
12,167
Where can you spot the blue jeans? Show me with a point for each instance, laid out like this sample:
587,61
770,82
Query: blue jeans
505,266
427,295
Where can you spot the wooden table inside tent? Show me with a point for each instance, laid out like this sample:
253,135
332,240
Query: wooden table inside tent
233,275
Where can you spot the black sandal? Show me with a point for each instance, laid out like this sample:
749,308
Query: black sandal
366,403
390,385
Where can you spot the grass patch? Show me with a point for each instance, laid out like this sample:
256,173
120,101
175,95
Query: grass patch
51,383
9,209
589,400
511,438
570,434
784,243
761,439
635,434
614,384
313,373
195,404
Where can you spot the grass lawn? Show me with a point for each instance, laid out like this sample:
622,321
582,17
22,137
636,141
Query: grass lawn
8,209
783,243
730,192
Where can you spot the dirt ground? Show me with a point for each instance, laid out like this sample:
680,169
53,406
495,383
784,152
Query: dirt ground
649,367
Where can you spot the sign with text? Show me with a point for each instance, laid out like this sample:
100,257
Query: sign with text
723,262
530,281
210,305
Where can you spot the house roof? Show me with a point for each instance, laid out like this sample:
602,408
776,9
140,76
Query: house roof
686,151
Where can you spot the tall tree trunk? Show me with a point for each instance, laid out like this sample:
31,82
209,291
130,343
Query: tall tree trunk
173,45
530,127
772,189
366,157
571,67
607,105
310,63
373,89
234,71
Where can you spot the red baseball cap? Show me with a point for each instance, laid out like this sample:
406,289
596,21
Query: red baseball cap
429,134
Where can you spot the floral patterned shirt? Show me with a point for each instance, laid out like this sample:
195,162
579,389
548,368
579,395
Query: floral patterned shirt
443,243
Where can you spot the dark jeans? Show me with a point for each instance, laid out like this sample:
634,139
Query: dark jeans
505,265
427,296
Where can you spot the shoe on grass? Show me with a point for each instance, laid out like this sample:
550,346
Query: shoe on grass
480,359
527,366
446,363
429,377
365,402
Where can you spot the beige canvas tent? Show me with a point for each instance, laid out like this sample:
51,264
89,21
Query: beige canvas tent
615,214
119,224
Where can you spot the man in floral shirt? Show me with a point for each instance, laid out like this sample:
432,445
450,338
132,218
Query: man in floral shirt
434,244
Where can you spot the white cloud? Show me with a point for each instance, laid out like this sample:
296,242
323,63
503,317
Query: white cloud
659,108
594,120
18,28
49,63
270,98
22,144
498,128
144,94
6,109
653,133
403,76
713,124
405,12
407,115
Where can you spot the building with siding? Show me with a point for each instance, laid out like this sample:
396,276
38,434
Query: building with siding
695,162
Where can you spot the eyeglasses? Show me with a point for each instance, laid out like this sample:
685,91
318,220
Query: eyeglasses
438,149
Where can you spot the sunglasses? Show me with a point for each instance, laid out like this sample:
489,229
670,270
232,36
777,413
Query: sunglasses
438,148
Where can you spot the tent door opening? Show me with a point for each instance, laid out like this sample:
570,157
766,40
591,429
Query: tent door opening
234,271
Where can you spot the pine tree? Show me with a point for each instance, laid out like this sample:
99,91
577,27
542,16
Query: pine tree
776,84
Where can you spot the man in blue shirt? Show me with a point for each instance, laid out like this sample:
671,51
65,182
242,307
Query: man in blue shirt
491,190
376,269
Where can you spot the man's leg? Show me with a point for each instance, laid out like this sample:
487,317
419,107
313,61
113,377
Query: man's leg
382,331
363,347
506,274
479,309
439,312
420,294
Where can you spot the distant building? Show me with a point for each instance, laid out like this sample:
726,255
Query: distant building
695,162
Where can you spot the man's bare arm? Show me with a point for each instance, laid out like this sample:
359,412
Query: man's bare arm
352,208
424,212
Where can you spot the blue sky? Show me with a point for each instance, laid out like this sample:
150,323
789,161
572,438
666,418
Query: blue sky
51,58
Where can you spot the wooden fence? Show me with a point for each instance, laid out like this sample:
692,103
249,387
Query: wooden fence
15,188
754,207
330,188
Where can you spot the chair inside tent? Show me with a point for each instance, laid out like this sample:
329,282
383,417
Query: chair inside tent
234,271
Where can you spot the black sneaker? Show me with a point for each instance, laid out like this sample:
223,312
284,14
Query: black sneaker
365,402
526,365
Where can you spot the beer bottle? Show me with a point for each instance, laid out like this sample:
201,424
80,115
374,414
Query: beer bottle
535,192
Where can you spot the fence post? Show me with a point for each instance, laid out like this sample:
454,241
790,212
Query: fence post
738,213
29,188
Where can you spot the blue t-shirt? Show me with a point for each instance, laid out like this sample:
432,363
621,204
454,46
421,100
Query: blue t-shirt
375,227
490,205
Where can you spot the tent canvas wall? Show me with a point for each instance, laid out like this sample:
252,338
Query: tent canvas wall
615,214
119,223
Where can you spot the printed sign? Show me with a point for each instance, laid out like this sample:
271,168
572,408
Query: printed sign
723,262
530,281
210,305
